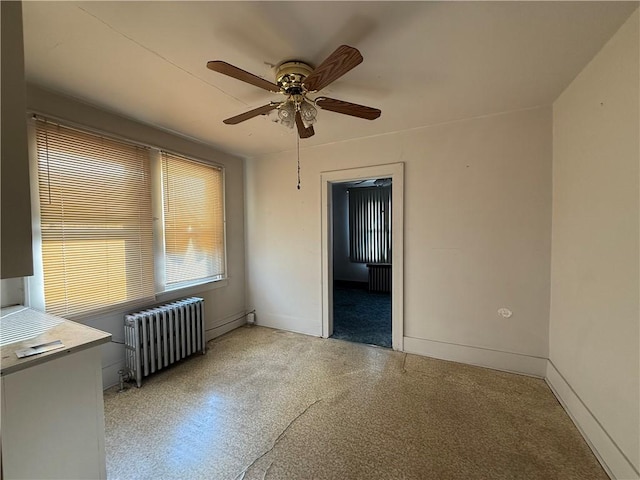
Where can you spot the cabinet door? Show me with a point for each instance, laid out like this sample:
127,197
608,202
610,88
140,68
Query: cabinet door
53,419
17,256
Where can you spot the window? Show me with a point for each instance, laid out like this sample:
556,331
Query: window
193,221
96,209
370,224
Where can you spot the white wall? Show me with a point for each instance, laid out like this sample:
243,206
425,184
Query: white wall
343,268
225,305
477,235
12,290
594,323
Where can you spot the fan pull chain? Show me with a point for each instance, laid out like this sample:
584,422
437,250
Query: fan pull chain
298,149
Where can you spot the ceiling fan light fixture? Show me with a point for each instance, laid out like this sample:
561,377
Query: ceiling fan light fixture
287,113
308,113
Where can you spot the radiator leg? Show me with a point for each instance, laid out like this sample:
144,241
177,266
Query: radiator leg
204,340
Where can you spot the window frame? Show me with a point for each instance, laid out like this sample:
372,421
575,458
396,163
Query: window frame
157,202
34,285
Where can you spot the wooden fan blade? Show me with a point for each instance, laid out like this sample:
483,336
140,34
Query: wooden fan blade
347,108
336,65
303,131
239,74
250,114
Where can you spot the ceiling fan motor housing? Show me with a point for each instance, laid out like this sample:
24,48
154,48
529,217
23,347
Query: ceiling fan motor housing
290,76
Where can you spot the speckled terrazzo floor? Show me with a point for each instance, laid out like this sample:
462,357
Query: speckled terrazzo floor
269,404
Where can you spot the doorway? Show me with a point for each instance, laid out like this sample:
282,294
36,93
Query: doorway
361,217
395,174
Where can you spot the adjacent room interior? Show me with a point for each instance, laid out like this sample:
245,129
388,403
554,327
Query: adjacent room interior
361,218
286,187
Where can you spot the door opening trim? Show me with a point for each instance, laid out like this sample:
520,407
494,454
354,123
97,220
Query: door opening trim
395,171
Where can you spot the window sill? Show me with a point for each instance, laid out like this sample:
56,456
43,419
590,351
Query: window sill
95,317
192,289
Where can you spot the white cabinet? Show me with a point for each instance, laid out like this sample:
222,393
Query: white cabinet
52,407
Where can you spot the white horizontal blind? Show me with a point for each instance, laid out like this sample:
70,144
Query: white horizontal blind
370,224
95,202
193,220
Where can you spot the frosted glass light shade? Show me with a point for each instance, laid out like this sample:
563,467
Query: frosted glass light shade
287,114
308,113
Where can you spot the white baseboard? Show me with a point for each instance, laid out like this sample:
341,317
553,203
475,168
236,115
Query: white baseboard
612,459
305,326
227,324
482,357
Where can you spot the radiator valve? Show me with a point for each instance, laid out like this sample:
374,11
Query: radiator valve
123,376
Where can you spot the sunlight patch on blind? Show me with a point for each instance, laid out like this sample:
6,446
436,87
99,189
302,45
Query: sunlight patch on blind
96,219
194,220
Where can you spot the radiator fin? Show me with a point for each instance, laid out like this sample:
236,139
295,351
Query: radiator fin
158,337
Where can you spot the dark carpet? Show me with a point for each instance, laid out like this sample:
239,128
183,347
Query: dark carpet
361,316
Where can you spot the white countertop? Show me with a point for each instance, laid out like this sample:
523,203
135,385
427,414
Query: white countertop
22,327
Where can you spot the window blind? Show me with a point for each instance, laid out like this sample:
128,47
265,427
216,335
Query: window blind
193,220
96,218
370,224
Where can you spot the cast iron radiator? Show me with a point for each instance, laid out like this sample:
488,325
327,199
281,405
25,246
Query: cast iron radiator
379,277
157,337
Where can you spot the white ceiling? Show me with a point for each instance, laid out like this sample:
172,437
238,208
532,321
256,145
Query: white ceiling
424,62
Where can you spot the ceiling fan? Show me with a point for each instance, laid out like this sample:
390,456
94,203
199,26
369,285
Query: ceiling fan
296,80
